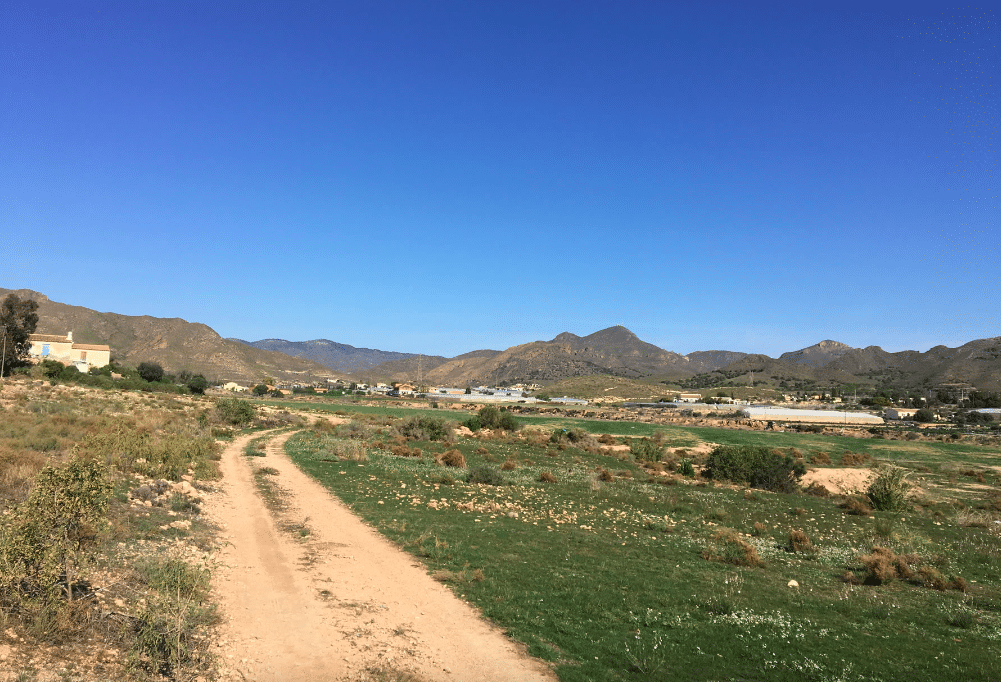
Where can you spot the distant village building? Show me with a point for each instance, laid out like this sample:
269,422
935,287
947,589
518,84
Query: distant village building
900,412
233,386
994,412
62,349
568,401
689,398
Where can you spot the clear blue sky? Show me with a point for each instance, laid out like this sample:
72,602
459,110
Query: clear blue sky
440,176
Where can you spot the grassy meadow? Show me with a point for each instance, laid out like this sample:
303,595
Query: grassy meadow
613,570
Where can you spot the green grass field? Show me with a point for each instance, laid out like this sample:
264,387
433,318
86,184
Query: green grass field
607,579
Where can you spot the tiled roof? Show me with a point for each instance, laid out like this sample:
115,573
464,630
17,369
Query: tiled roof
87,346
48,338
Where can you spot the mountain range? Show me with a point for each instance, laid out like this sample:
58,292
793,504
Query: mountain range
172,342
615,351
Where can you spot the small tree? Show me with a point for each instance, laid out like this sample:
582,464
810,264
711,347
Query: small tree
197,384
18,319
924,415
150,371
260,389
41,549
888,491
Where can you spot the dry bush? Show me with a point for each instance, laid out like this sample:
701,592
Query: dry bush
451,458
729,548
820,458
795,453
759,529
855,506
624,473
605,475
404,451
350,451
546,477
509,465
656,467
933,579
799,511
884,566
881,565
482,451
854,459
607,439
973,519
799,543
817,490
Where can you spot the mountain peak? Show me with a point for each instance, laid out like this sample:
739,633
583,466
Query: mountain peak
818,355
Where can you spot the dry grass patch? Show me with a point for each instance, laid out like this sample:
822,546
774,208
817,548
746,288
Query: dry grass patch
728,547
451,458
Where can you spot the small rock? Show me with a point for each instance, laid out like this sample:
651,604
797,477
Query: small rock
793,583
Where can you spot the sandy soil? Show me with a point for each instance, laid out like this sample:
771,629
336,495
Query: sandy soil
838,481
340,603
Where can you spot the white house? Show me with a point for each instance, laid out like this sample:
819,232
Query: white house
62,349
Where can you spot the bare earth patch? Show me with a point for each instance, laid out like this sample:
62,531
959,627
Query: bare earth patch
845,480
339,601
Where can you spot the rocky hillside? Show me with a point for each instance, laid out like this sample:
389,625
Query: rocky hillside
977,363
817,355
174,343
614,351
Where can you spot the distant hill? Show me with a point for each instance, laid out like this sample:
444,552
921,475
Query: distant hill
615,351
339,357
709,360
817,355
977,363
174,343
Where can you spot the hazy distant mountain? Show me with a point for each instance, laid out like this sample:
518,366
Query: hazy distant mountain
817,355
174,343
339,357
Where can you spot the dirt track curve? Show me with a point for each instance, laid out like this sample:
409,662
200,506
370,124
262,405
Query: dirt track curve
340,603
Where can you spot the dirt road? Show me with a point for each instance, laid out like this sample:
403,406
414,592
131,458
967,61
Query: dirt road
340,603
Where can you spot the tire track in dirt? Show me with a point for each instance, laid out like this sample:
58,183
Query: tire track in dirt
341,602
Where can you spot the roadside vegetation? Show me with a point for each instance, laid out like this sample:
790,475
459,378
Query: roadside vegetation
103,552
624,551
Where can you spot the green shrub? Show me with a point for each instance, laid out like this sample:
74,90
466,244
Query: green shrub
43,543
508,422
686,468
489,417
645,450
888,491
235,411
425,428
150,371
758,466
168,633
197,384
51,369
486,475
